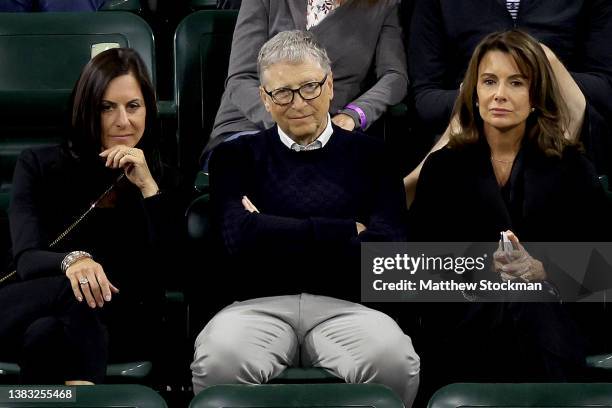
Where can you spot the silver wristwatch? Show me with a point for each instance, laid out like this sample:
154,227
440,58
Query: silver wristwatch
72,257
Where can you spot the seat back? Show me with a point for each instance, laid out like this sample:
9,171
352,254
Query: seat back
42,57
537,395
202,45
297,395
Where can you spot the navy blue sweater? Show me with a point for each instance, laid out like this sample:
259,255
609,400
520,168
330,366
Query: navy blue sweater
305,238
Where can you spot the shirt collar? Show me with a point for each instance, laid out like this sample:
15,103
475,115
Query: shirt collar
316,144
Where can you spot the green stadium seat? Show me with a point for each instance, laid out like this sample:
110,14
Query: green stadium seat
42,57
297,395
537,395
202,45
100,396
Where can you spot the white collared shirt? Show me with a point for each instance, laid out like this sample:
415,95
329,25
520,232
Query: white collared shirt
316,144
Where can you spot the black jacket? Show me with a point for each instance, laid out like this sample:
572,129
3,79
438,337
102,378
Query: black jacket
550,199
51,189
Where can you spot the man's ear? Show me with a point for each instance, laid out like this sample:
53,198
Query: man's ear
264,99
330,83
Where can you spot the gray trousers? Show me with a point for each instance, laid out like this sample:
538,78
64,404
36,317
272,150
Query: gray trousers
252,342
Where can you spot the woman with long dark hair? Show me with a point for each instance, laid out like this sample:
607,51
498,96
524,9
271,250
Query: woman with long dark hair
509,169
87,221
512,121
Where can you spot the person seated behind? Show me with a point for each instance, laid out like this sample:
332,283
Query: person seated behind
509,168
377,46
51,5
575,35
291,205
71,289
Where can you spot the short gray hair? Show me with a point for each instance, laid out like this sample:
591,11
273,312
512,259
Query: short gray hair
294,47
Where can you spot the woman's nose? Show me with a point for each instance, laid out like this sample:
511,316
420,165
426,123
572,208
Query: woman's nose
500,93
122,118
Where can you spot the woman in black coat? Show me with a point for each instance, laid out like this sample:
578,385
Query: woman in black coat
510,169
102,277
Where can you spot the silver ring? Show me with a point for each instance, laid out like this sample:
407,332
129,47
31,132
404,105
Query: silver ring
83,281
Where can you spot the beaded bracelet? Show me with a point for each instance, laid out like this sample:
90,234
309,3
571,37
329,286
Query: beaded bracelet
72,257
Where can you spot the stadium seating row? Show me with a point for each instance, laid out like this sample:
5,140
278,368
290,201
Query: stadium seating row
340,395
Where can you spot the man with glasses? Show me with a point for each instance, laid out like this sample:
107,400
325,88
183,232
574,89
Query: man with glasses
291,206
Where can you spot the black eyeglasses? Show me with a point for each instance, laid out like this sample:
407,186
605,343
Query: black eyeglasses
309,91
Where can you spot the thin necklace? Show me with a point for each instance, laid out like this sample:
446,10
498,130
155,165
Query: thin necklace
502,161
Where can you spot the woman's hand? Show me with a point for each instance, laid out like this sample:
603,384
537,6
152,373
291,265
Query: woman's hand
344,121
134,164
248,205
89,281
517,263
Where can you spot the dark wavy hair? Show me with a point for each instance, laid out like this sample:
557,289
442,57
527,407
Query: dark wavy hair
84,141
547,124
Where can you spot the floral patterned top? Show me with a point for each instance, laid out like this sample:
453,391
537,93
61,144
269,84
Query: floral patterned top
317,10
